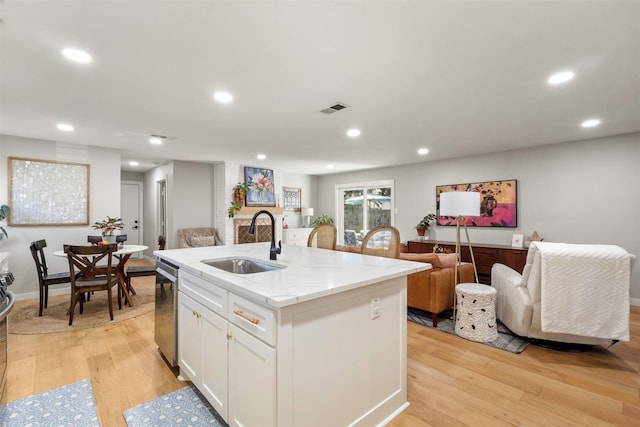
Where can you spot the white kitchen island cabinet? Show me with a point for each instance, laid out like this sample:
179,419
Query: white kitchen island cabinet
320,342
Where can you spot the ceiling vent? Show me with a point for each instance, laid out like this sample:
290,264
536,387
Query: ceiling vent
334,108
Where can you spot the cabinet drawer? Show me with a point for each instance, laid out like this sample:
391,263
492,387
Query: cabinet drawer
208,294
297,236
259,321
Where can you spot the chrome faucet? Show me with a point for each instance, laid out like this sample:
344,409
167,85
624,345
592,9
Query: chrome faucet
274,251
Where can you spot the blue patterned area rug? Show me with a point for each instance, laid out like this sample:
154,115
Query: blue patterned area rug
69,405
505,341
184,407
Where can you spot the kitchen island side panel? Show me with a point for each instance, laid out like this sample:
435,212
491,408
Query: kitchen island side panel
337,364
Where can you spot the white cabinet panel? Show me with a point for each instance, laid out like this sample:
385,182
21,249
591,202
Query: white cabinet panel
203,350
252,381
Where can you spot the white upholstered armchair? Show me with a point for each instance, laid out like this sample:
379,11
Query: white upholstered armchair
567,293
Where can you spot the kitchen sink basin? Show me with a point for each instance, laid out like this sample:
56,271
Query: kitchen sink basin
242,265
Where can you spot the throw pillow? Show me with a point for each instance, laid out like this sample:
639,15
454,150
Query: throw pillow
199,241
447,260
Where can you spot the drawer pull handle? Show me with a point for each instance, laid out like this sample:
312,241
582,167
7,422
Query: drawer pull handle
250,319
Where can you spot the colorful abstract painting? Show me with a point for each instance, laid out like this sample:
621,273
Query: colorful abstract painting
498,203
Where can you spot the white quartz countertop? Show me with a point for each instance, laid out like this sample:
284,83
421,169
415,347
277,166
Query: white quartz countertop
310,273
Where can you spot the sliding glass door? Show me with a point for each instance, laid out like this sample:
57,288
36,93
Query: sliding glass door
364,206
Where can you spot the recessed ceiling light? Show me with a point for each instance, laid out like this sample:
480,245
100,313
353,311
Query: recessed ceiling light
261,156
157,139
224,97
590,123
77,55
423,151
561,77
133,163
353,132
64,127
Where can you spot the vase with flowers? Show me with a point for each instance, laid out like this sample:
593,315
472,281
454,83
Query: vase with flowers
108,228
262,185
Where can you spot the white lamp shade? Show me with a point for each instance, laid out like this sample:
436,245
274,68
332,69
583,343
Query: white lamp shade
460,203
306,212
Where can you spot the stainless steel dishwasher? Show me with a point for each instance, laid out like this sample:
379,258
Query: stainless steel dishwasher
166,321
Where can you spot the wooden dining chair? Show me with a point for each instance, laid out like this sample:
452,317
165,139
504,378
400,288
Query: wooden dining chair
324,235
146,270
382,241
88,274
44,277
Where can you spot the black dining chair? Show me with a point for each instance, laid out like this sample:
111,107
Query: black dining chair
147,270
94,240
44,277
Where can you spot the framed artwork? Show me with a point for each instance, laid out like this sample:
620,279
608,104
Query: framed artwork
291,199
498,203
517,241
45,192
261,188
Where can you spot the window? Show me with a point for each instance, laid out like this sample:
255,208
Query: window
361,207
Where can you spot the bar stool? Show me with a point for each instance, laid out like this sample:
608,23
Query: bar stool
476,312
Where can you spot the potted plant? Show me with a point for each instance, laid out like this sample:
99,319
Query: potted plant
423,226
322,219
4,213
108,227
239,192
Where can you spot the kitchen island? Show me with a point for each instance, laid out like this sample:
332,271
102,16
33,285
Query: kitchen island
318,341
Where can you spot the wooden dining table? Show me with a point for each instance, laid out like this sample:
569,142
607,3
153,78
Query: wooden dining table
123,254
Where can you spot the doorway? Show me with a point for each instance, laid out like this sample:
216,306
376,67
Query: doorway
131,211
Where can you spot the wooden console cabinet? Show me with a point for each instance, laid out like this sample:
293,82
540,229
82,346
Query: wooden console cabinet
485,255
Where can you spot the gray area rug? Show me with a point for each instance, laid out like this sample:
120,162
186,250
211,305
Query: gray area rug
70,405
184,407
505,341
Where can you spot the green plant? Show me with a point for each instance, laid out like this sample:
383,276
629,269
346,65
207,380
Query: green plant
425,222
109,225
243,186
322,219
239,191
4,213
235,207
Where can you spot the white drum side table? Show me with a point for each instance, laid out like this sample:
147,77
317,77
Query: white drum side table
476,312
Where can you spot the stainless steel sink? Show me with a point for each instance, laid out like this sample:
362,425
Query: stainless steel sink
243,265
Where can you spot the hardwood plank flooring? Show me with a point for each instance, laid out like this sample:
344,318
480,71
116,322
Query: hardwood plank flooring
451,381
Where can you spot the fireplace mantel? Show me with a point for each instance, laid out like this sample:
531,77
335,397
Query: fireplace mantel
251,210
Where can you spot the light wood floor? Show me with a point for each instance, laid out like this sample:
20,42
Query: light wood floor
452,381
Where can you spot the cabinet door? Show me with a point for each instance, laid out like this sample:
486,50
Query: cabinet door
204,351
189,352
252,381
215,345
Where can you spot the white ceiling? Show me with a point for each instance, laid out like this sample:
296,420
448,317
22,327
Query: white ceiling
458,78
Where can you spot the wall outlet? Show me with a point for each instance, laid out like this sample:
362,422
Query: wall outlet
375,308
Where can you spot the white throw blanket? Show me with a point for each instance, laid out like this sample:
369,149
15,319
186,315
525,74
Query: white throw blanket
585,289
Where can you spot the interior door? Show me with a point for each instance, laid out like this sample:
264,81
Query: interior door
131,211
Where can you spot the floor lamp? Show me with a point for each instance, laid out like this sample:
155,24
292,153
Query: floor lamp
459,204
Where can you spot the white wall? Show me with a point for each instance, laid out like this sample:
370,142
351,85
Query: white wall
578,192
104,200
189,200
192,195
309,190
